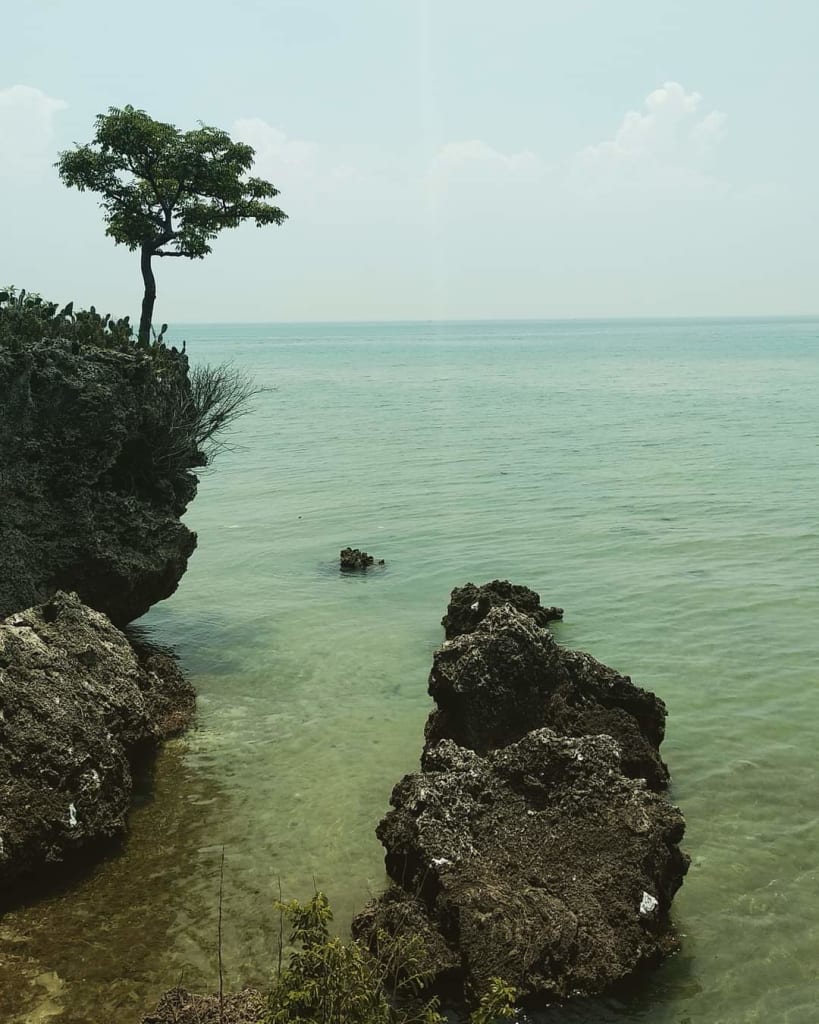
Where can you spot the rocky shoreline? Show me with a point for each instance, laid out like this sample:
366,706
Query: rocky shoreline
536,844
95,473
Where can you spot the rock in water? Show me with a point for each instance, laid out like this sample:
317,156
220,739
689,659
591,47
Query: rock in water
535,844
76,708
353,560
469,605
93,478
508,676
540,863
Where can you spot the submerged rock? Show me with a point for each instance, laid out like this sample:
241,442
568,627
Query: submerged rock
509,676
353,560
77,707
540,863
469,605
94,476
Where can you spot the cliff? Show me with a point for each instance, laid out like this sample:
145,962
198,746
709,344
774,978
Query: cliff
95,473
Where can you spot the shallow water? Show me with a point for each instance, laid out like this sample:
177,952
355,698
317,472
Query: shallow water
657,479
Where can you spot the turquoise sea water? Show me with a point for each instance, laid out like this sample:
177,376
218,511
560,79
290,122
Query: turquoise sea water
657,479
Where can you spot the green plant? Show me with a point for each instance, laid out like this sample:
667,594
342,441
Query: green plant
166,192
27,317
186,410
497,1003
328,981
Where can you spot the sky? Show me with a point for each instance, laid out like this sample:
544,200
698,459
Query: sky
437,159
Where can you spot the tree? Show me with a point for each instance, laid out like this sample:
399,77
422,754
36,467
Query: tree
166,192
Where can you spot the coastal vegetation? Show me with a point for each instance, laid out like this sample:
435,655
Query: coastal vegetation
329,981
166,192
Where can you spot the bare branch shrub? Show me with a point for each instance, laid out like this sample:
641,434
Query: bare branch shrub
195,409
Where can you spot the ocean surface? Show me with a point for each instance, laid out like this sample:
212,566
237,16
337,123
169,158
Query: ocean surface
658,479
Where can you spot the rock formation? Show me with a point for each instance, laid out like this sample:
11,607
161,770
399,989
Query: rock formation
508,676
77,708
469,605
93,477
353,560
540,863
535,843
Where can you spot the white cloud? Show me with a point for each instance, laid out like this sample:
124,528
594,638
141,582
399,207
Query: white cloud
278,157
476,161
27,130
663,148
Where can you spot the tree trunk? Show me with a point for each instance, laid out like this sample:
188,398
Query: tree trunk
148,299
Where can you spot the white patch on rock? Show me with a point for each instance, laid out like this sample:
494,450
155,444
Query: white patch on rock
72,816
648,904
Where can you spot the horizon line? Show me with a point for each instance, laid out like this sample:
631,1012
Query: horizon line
626,318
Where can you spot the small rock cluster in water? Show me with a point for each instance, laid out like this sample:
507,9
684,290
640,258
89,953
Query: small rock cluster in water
353,560
536,843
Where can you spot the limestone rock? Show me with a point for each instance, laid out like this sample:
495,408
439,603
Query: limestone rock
508,676
469,605
540,863
76,709
353,560
92,479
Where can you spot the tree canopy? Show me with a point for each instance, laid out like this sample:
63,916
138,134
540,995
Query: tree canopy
167,192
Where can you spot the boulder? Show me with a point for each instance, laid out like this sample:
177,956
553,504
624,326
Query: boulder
94,476
508,676
77,708
353,560
469,605
540,863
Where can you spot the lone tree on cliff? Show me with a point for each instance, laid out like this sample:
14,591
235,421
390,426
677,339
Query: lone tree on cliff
167,192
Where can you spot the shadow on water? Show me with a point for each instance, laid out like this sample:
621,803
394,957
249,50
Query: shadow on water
649,997
103,943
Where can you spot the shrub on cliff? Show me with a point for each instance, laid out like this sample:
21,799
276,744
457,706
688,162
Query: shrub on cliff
26,317
185,428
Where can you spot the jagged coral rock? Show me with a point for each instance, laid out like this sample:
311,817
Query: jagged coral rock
508,676
469,605
76,708
540,863
93,480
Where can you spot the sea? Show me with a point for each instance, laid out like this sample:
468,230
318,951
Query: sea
658,479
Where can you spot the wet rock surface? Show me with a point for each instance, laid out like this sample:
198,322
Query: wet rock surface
77,709
469,605
353,560
508,676
535,843
181,1007
92,482
540,863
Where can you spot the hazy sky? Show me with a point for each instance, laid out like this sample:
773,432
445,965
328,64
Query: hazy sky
438,158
